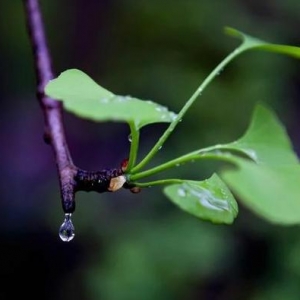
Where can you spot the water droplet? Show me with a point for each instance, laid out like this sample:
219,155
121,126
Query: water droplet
209,201
104,100
159,147
177,165
121,99
130,138
252,154
66,230
181,192
158,108
218,73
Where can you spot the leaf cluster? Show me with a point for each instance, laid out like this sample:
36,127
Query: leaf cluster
262,168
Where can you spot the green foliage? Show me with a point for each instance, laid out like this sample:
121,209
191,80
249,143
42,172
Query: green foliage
83,97
270,191
270,187
265,170
266,140
208,200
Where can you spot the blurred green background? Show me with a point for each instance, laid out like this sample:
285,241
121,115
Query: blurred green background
141,246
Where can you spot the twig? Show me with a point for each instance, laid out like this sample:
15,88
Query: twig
71,178
54,129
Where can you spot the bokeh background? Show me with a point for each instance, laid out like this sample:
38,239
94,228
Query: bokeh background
141,246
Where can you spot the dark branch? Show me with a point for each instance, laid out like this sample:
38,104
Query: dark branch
71,178
98,181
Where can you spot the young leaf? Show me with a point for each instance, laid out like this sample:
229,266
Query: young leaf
208,200
83,97
250,42
273,192
271,186
266,140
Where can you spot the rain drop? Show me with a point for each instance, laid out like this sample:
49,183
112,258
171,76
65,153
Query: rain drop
181,192
104,100
130,138
121,99
67,230
219,72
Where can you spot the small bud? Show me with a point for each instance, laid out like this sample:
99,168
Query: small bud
124,164
135,190
116,183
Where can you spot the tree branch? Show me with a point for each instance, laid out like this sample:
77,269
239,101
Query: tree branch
71,178
54,128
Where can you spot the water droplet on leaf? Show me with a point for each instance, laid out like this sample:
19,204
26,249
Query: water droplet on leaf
252,154
130,138
173,116
181,192
67,230
104,100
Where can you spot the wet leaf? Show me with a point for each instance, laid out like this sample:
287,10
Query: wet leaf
269,183
266,140
83,97
272,192
209,200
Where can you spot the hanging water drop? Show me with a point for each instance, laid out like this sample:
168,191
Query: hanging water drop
129,138
67,230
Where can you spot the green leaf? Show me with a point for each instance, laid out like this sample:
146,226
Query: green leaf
250,42
266,140
269,184
83,97
272,192
209,199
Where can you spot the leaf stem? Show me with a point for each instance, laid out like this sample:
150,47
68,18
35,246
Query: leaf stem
187,105
219,156
195,155
158,182
135,137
